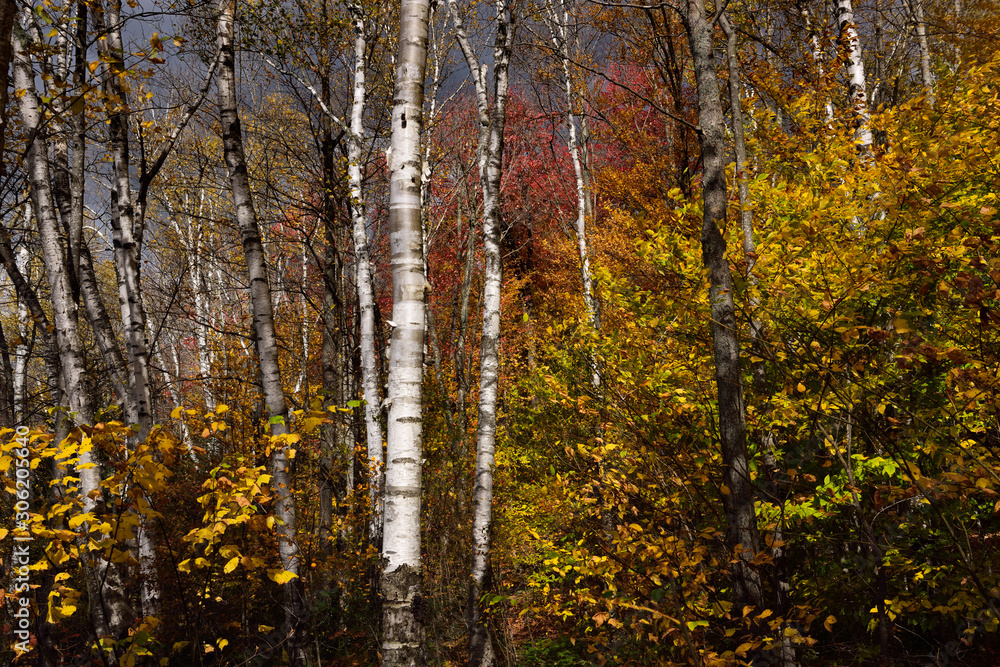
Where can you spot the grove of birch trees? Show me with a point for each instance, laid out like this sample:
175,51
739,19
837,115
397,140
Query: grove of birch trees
524,332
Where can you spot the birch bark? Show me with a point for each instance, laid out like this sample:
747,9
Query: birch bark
403,602
8,13
558,21
816,51
363,278
122,222
737,497
127,251
109,607
492,122
920,25
264,332
857,85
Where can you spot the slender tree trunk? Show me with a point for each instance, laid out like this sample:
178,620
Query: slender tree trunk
264,332
920,24
122,222
402,585
558,20
126,254
857,85
785,654
492,123
8,12
737,496
22,350
108,603
816,51
6,384
332,457
192,236
461,377
363,271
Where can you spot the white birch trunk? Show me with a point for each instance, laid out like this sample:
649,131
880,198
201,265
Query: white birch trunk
816,51
363,278
403,603
122,222
21,349
920,24
857,85
191,236
264,332
109,607
127,268
492,123
558,20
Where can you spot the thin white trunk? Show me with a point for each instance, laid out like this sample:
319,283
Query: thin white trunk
558,21
127,268
402,578
363,277
303,381
917,7
264,332
21,349
109,607
175,397
192,237
492,122
122,220
857,85
816,51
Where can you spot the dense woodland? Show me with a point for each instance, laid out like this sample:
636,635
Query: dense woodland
533,332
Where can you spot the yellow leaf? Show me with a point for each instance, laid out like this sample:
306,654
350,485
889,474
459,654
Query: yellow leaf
281,576
176,413
231,565
828,623
223,643
221,409
264,628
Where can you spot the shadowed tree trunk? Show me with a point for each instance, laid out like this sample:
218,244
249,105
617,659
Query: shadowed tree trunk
108,604
264,334
737,494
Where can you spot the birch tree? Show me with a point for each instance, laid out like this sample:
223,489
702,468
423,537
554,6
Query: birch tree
263,330
403,603
363,275
920,27
816,52
109,608
857,84
491,120
558,16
